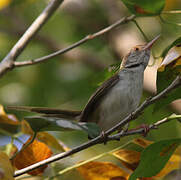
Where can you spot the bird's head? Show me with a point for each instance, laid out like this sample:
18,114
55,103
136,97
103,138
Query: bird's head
139,55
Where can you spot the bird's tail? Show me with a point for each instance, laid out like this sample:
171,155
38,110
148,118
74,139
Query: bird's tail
53,112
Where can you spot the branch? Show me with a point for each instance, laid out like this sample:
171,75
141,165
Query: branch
79,54
100,139
82,41
8,62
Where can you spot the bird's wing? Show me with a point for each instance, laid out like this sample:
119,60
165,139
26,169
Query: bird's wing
49,111
96,98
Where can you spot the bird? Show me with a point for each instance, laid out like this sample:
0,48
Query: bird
115,99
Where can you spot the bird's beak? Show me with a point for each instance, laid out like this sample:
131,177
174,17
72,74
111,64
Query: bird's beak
150,44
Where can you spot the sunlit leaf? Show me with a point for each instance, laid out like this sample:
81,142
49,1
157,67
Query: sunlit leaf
172,164
35,152
145,7
102,171
25,128
129,158
4,3
174,43
51,141
142,142
6,169
154,158
172,57
7,118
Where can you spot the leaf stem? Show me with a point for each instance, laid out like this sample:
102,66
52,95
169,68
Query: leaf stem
142,32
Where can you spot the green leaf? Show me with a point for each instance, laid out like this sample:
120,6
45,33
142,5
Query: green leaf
174,43
164,79
43,123
145,7
154,158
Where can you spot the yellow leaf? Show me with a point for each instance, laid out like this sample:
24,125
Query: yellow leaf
102,171
7,118
25,127
172,164
51,141
35,152
6,169
172,59
129,158
142,142
4,3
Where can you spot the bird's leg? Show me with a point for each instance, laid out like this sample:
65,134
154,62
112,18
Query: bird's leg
145,127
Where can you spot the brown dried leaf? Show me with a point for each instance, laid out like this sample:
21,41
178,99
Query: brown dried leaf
142,142
35,152
102,171
6,169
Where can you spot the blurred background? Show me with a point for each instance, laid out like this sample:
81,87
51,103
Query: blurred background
67,81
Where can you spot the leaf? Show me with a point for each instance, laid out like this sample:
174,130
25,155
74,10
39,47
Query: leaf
7,118
25,128
102,171
129,158
154,158
35,152
129,155
142,142
174,43
169,69
171,56
51,141
172,164
6,169
164,79
145,7
4,3
42,123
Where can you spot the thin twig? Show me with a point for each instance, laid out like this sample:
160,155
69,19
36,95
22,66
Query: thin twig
86,57
142,130
82,41
100,139
142,32
171,12
8,62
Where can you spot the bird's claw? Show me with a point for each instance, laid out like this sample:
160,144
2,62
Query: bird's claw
146,129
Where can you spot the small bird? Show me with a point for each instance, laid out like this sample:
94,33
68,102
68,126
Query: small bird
116,98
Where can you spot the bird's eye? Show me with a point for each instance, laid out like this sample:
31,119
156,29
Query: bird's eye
136,49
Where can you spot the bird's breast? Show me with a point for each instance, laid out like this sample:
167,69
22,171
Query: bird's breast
121,100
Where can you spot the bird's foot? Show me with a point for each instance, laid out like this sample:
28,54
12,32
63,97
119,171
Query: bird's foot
145,127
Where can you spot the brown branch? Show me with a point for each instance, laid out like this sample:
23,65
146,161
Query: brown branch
82,41
100,139
8,62
88,58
